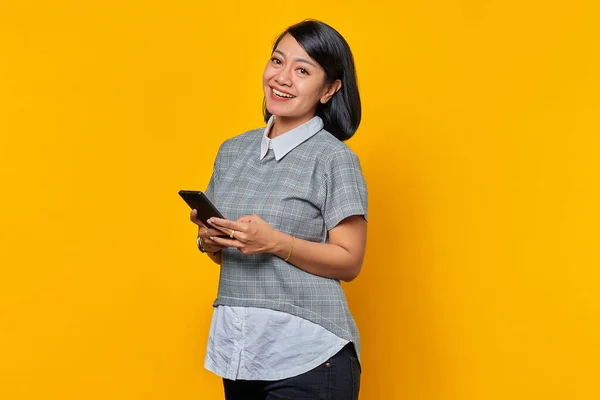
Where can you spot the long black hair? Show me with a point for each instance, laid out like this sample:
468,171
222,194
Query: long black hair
341,114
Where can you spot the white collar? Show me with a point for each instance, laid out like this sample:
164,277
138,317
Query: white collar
287,142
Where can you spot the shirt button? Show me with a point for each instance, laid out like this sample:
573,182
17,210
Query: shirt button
327,365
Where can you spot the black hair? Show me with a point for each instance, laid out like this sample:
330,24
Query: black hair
341,114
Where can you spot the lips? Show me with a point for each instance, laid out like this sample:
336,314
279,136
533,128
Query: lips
281,94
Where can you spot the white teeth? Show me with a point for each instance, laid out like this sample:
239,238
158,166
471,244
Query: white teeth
281,94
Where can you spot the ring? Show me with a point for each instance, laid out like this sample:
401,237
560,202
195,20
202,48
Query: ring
232,234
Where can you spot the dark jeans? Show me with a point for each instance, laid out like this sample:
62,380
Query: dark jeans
336,379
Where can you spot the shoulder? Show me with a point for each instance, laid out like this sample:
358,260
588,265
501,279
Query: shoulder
241,142
331,150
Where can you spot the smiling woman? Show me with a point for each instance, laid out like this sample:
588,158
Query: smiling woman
311,61
297,202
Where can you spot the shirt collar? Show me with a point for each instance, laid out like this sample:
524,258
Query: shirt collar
287,142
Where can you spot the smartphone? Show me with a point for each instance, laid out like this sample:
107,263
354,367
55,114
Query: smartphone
198,201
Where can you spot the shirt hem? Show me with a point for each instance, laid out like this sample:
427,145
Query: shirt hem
210,366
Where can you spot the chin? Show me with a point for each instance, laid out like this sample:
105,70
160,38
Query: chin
276,111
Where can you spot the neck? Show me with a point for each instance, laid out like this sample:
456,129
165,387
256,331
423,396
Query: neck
282,125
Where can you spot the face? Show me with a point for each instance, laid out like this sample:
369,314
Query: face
294,83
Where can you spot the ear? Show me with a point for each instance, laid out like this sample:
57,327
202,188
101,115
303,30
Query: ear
332,89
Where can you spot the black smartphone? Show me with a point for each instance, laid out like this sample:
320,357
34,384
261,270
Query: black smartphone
198,201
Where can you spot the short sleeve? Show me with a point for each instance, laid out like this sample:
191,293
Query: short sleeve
210,189
346,189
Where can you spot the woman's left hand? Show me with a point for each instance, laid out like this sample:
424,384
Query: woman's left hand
250,234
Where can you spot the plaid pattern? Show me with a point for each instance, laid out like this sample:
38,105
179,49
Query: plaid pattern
304,194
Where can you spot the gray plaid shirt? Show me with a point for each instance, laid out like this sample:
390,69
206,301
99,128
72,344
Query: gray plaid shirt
304,192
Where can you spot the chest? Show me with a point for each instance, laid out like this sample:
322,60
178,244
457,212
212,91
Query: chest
288,194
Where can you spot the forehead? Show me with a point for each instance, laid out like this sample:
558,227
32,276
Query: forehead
291,48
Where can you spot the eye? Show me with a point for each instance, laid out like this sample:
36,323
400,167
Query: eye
303,71
276,60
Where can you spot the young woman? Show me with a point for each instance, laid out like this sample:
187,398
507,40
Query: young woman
296,203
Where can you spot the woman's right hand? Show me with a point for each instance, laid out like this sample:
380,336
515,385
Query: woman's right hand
204,233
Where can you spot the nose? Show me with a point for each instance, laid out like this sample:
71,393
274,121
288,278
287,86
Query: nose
283,77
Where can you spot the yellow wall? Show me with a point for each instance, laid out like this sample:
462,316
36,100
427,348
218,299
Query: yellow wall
480,144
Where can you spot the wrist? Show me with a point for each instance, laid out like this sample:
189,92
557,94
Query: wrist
281,245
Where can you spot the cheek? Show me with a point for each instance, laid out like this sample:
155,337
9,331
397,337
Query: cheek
268,74
265,80
311,90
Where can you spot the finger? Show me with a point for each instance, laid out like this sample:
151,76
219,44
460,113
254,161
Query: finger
208,233
245,219
203,232
207,242
215,232
220,232
226,225
194,218
226,242
201,228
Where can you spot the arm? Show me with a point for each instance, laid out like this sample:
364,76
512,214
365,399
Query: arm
341,258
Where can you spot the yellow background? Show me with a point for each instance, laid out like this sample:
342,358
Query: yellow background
480,145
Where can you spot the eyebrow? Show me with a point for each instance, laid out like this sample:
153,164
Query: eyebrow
304,60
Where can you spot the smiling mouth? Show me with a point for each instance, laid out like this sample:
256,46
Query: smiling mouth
281,94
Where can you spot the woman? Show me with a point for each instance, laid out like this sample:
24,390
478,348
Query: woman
296,201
